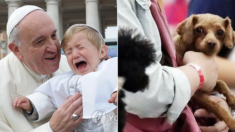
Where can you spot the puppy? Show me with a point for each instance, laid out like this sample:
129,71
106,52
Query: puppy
135,53
207,33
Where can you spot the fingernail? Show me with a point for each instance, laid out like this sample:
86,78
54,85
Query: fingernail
196,113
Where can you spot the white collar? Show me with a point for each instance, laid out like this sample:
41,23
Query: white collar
38,77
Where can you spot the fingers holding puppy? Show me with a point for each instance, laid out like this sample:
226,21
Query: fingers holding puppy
219,126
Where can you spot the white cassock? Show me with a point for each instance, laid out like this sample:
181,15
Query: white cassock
16,80
96,89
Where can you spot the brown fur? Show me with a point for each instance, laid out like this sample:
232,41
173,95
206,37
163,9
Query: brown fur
207,33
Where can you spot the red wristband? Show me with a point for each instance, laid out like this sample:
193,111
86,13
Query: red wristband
201,77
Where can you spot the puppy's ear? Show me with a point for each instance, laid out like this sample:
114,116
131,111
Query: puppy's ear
229,34
186,27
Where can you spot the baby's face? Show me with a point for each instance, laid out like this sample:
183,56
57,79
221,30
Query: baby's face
82,55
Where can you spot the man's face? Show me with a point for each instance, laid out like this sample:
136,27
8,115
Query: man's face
40,48
82,55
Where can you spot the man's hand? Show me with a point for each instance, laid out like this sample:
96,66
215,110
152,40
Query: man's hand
219,126
61,120
113,98
23,103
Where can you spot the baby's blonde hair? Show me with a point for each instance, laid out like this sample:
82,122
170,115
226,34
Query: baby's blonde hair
93,36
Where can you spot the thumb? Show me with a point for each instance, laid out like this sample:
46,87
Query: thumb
23,105
110,100
203,113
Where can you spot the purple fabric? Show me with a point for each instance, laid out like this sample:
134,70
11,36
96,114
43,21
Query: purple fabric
186,122
135,124
166,38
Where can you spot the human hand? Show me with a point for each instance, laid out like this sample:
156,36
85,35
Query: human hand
23,103
113,98
219,126
208,67
61,120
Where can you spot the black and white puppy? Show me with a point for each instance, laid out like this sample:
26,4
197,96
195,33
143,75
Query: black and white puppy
135,53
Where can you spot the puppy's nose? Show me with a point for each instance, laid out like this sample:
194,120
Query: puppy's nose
211,45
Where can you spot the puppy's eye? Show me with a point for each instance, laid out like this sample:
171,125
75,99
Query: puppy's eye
199,30
219,32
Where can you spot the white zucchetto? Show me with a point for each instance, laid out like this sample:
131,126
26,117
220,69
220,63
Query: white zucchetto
18,15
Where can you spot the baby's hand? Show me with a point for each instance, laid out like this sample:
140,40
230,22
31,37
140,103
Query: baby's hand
23,103
113,98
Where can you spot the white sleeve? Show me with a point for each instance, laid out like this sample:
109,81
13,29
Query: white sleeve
169,90
50,127
115,90
43,128
43,105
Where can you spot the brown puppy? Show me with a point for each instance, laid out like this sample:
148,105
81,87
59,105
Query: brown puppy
207,33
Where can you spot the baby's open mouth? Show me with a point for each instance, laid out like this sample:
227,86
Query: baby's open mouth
50,58
81,65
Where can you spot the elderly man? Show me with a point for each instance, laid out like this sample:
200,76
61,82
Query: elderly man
35,58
